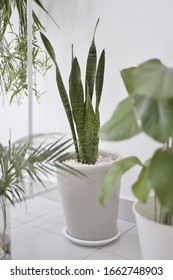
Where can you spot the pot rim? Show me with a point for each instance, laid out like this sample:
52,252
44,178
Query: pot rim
138,213
96,166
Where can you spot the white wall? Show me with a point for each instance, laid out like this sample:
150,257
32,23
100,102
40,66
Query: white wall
131,31
13,121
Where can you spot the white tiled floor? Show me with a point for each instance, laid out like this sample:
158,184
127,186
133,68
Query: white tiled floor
37,234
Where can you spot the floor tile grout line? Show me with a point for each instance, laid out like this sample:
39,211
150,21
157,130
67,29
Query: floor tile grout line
114,254
44,230
90,254
33,217
127,231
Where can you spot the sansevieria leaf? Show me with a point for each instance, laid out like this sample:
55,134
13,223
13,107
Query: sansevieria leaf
91,67
99,78
77,99
96,133
89,131
62,90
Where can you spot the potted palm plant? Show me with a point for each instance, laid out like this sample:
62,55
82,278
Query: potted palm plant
149,109
17,161
21,158
87,222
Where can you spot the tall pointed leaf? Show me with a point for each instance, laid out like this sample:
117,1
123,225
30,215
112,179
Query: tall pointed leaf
38,2
99,78
89,131
61,88
91,67
77,98
96,133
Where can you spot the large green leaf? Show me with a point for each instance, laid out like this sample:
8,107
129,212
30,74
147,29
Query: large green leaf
127,77
155,117
153,79
142,186
122,124
114,174
161,177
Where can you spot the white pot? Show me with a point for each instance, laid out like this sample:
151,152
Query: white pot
87,221
156,239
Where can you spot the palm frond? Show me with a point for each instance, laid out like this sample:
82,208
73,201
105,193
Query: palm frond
22,158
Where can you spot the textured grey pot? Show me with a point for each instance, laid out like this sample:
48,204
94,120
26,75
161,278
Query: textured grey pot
87,221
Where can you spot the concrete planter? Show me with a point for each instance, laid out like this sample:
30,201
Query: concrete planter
87,222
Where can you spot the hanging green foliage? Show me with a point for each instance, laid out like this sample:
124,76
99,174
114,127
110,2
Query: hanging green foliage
13,49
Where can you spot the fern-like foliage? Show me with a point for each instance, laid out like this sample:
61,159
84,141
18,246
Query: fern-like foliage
13,49
20,160
83,116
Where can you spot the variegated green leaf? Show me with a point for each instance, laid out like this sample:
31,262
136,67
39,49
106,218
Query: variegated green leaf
96,133
61,88
91,67
77,99
89,131
99,78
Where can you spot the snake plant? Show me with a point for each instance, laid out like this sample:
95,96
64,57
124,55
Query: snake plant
83,116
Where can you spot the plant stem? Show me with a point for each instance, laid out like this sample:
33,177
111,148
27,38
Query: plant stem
171,140
155,208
